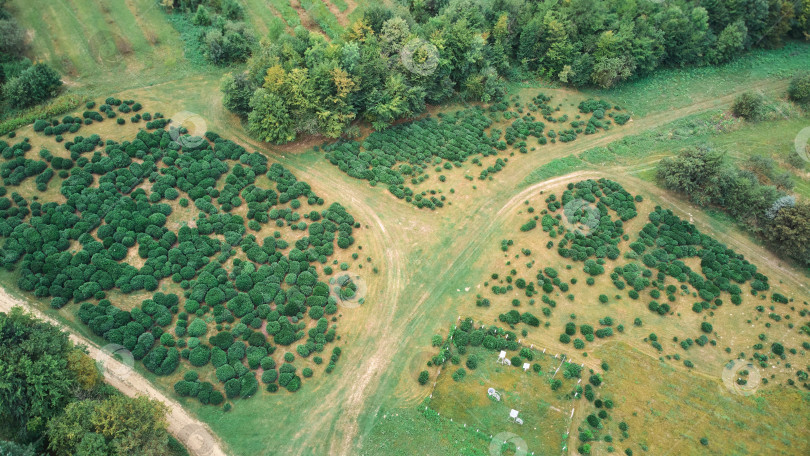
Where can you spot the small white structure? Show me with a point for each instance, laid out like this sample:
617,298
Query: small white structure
514,414
494,394
507,362
526,366
502,358
518,421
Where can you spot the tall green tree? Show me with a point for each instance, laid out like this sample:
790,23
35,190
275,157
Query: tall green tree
34,85
237,91
270,119
12,39
790,231
35,381
694,172
117,426
731,42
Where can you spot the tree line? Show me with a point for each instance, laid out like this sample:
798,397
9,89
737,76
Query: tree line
709,179
397,58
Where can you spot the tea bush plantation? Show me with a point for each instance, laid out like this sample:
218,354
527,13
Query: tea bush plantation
406,152
667,268
401,157
240,297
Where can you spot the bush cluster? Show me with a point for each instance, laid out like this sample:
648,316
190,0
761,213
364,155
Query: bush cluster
225,303
601,234
403,154
190,386
667,240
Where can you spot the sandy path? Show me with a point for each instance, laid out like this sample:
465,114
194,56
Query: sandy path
195,435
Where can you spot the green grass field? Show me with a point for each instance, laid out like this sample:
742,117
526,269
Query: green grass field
678,410
677,88
95,44
545,412
323,17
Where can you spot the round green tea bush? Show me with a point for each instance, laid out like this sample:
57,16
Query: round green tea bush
706,327
799,89
225,373
424,376
749,106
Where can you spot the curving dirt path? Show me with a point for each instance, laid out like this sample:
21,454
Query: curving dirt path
336,420
355,392
194,434
477,238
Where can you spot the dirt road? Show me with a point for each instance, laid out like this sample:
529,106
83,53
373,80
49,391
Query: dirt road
396,237
196,436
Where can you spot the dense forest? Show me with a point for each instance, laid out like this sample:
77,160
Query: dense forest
396,59
53,400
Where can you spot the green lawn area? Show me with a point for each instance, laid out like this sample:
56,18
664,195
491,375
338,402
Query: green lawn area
674,409
545,413
95,43
675,88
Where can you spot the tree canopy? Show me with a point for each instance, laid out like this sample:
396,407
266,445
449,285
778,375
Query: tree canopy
53,400
391,61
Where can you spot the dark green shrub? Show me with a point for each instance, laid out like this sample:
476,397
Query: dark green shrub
799,88
423,377
749,106
706,327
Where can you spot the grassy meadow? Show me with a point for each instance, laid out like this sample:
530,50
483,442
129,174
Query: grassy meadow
432,264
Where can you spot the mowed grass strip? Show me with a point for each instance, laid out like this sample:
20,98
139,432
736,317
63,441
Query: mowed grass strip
94,40
58,36
283,7
325,19
412,431
340,4
103,39
264,19
675,88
